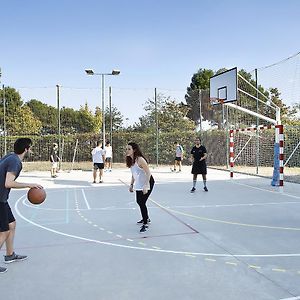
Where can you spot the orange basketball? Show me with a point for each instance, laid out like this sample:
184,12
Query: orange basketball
36,196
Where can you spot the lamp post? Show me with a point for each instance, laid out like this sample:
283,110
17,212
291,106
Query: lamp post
113,72
58,124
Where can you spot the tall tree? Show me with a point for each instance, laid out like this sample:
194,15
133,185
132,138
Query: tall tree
117,118
199,81
85,120
170,115
46,114
23,122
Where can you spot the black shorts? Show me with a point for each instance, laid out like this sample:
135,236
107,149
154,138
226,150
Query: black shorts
178,158
108,159
199,167
99,166
6,216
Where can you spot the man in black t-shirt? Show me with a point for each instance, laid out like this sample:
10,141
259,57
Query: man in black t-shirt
198,158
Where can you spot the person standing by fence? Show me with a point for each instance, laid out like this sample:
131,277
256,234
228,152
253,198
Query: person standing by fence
108,157
98,155
54,159
178,156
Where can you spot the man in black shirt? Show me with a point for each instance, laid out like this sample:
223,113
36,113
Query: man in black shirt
199,155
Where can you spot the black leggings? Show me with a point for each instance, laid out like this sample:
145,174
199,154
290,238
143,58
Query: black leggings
141,200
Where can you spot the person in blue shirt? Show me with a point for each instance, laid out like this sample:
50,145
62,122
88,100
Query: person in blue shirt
10,168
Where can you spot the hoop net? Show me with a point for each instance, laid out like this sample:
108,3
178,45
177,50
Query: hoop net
216,101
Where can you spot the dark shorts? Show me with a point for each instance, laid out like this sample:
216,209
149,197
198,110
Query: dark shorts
178,158
199,167
6,216
108,159
99,166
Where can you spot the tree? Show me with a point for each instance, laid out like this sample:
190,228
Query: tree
68,120
12,100
117,118
85,120
199,81
23,122
47,114
170,115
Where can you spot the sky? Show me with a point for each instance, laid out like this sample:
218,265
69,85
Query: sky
155,44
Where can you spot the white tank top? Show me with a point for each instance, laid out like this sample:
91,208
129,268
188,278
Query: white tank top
140,177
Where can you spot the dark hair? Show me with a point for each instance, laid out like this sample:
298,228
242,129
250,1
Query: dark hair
107,143
136,153
98,143
21,144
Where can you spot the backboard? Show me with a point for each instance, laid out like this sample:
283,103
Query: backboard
223,87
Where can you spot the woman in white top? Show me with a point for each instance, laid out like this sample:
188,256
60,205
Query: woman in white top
141,180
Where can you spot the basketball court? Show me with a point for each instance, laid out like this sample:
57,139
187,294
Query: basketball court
238,241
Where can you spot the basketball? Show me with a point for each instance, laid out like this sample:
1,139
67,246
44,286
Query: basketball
36,196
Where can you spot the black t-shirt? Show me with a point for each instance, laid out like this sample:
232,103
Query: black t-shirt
198,152
53,155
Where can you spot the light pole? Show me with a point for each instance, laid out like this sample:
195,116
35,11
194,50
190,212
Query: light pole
58,124
113,72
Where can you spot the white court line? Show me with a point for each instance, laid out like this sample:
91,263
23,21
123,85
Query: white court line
265,190
293,298
146,249
85,199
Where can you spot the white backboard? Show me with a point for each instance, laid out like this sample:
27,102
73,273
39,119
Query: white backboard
224,86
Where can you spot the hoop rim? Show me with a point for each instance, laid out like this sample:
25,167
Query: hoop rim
216,101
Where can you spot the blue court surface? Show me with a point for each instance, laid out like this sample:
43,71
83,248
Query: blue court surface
238,241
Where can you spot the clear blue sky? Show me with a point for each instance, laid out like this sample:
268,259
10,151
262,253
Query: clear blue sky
154,44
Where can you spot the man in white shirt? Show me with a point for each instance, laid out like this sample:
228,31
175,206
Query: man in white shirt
108,156
98,155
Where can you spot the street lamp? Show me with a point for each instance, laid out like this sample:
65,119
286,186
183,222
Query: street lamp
113,72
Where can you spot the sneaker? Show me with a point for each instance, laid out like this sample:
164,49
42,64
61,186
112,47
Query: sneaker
143,228
3,270
14,257
94,181
193,190
205,189
141,222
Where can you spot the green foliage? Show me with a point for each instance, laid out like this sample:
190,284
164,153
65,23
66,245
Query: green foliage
117,118
170,116
199,81
23,121
85,120
12,100
46,114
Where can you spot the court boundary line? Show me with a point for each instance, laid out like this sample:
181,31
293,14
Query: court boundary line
148,249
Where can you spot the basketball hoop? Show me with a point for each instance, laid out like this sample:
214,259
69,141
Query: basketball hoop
216,101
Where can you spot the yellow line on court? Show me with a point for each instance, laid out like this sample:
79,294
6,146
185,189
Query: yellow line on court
231,263
254,267
279,270
226,222
211,259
